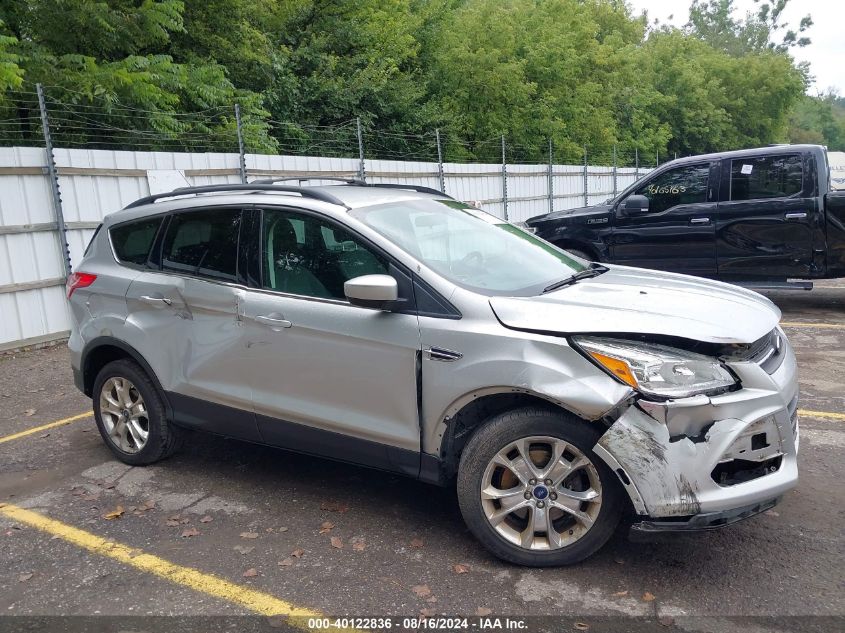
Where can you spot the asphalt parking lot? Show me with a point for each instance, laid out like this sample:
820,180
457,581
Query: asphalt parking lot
227,528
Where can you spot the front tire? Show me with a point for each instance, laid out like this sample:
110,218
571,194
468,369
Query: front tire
533,492
131,415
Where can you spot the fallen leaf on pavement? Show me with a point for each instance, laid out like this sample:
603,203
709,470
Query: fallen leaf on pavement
297,553
620,594
250,573
283,529
334,506
243,549
29,413
326,526
189,532
482,611
431,600
25,576
427,613
666,620
417,542
337,542
286,562
114,514
461,568
172,523
581,626
359,546
249,534
648,596
206,519
149,504
45,435
422,591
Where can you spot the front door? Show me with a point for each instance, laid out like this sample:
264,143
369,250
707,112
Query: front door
328,377
767,218
678,232
193,333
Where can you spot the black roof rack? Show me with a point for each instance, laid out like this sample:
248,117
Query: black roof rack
418,188
346,181
356,182
269,185
305,192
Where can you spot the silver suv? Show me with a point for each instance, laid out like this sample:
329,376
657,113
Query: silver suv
394,327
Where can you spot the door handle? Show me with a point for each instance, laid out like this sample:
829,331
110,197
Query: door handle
795,216
699,221
156,300
274,321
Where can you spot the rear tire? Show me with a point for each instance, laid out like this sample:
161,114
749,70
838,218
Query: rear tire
131,415
568,513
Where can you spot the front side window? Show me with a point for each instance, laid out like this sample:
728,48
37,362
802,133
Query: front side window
766,177
203,243
682,185
308,256
132,240
470,247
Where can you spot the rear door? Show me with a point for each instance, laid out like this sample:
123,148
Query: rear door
766,217
188,313
677,234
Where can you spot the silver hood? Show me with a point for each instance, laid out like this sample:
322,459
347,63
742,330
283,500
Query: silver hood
640,301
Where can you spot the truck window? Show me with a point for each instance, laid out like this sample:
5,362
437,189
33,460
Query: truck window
682,185
766,177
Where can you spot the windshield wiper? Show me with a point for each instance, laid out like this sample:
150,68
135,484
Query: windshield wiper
594,271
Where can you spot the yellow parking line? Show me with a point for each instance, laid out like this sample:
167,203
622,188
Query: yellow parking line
833,326
209,584
827,415
44,427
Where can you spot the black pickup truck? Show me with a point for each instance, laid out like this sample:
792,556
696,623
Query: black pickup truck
756,215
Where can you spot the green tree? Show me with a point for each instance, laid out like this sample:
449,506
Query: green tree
112,60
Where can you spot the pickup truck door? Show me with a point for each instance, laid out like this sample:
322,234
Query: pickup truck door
767,217
677,233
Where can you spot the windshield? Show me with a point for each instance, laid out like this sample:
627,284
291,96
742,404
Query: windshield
471,248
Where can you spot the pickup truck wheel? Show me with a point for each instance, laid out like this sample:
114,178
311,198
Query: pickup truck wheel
533,492
130,415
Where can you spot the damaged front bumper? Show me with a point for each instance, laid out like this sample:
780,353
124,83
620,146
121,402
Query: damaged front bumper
707,461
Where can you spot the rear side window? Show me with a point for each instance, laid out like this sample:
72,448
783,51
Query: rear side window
132,241
203,243
766,177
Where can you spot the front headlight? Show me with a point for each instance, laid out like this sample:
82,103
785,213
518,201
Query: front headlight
657,370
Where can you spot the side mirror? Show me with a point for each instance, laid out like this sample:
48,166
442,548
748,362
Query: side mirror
635,205
372,291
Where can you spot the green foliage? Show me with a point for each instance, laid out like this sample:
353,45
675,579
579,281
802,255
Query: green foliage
166,74
819,120
111,63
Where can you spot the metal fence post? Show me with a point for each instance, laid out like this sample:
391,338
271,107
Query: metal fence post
54,181
657,158
586,188
614,172
440,162
241,154
362,175
504,178
636,164
551,178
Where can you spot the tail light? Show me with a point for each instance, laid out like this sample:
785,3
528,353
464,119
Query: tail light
78,280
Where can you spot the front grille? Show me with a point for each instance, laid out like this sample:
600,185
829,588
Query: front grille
767,351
